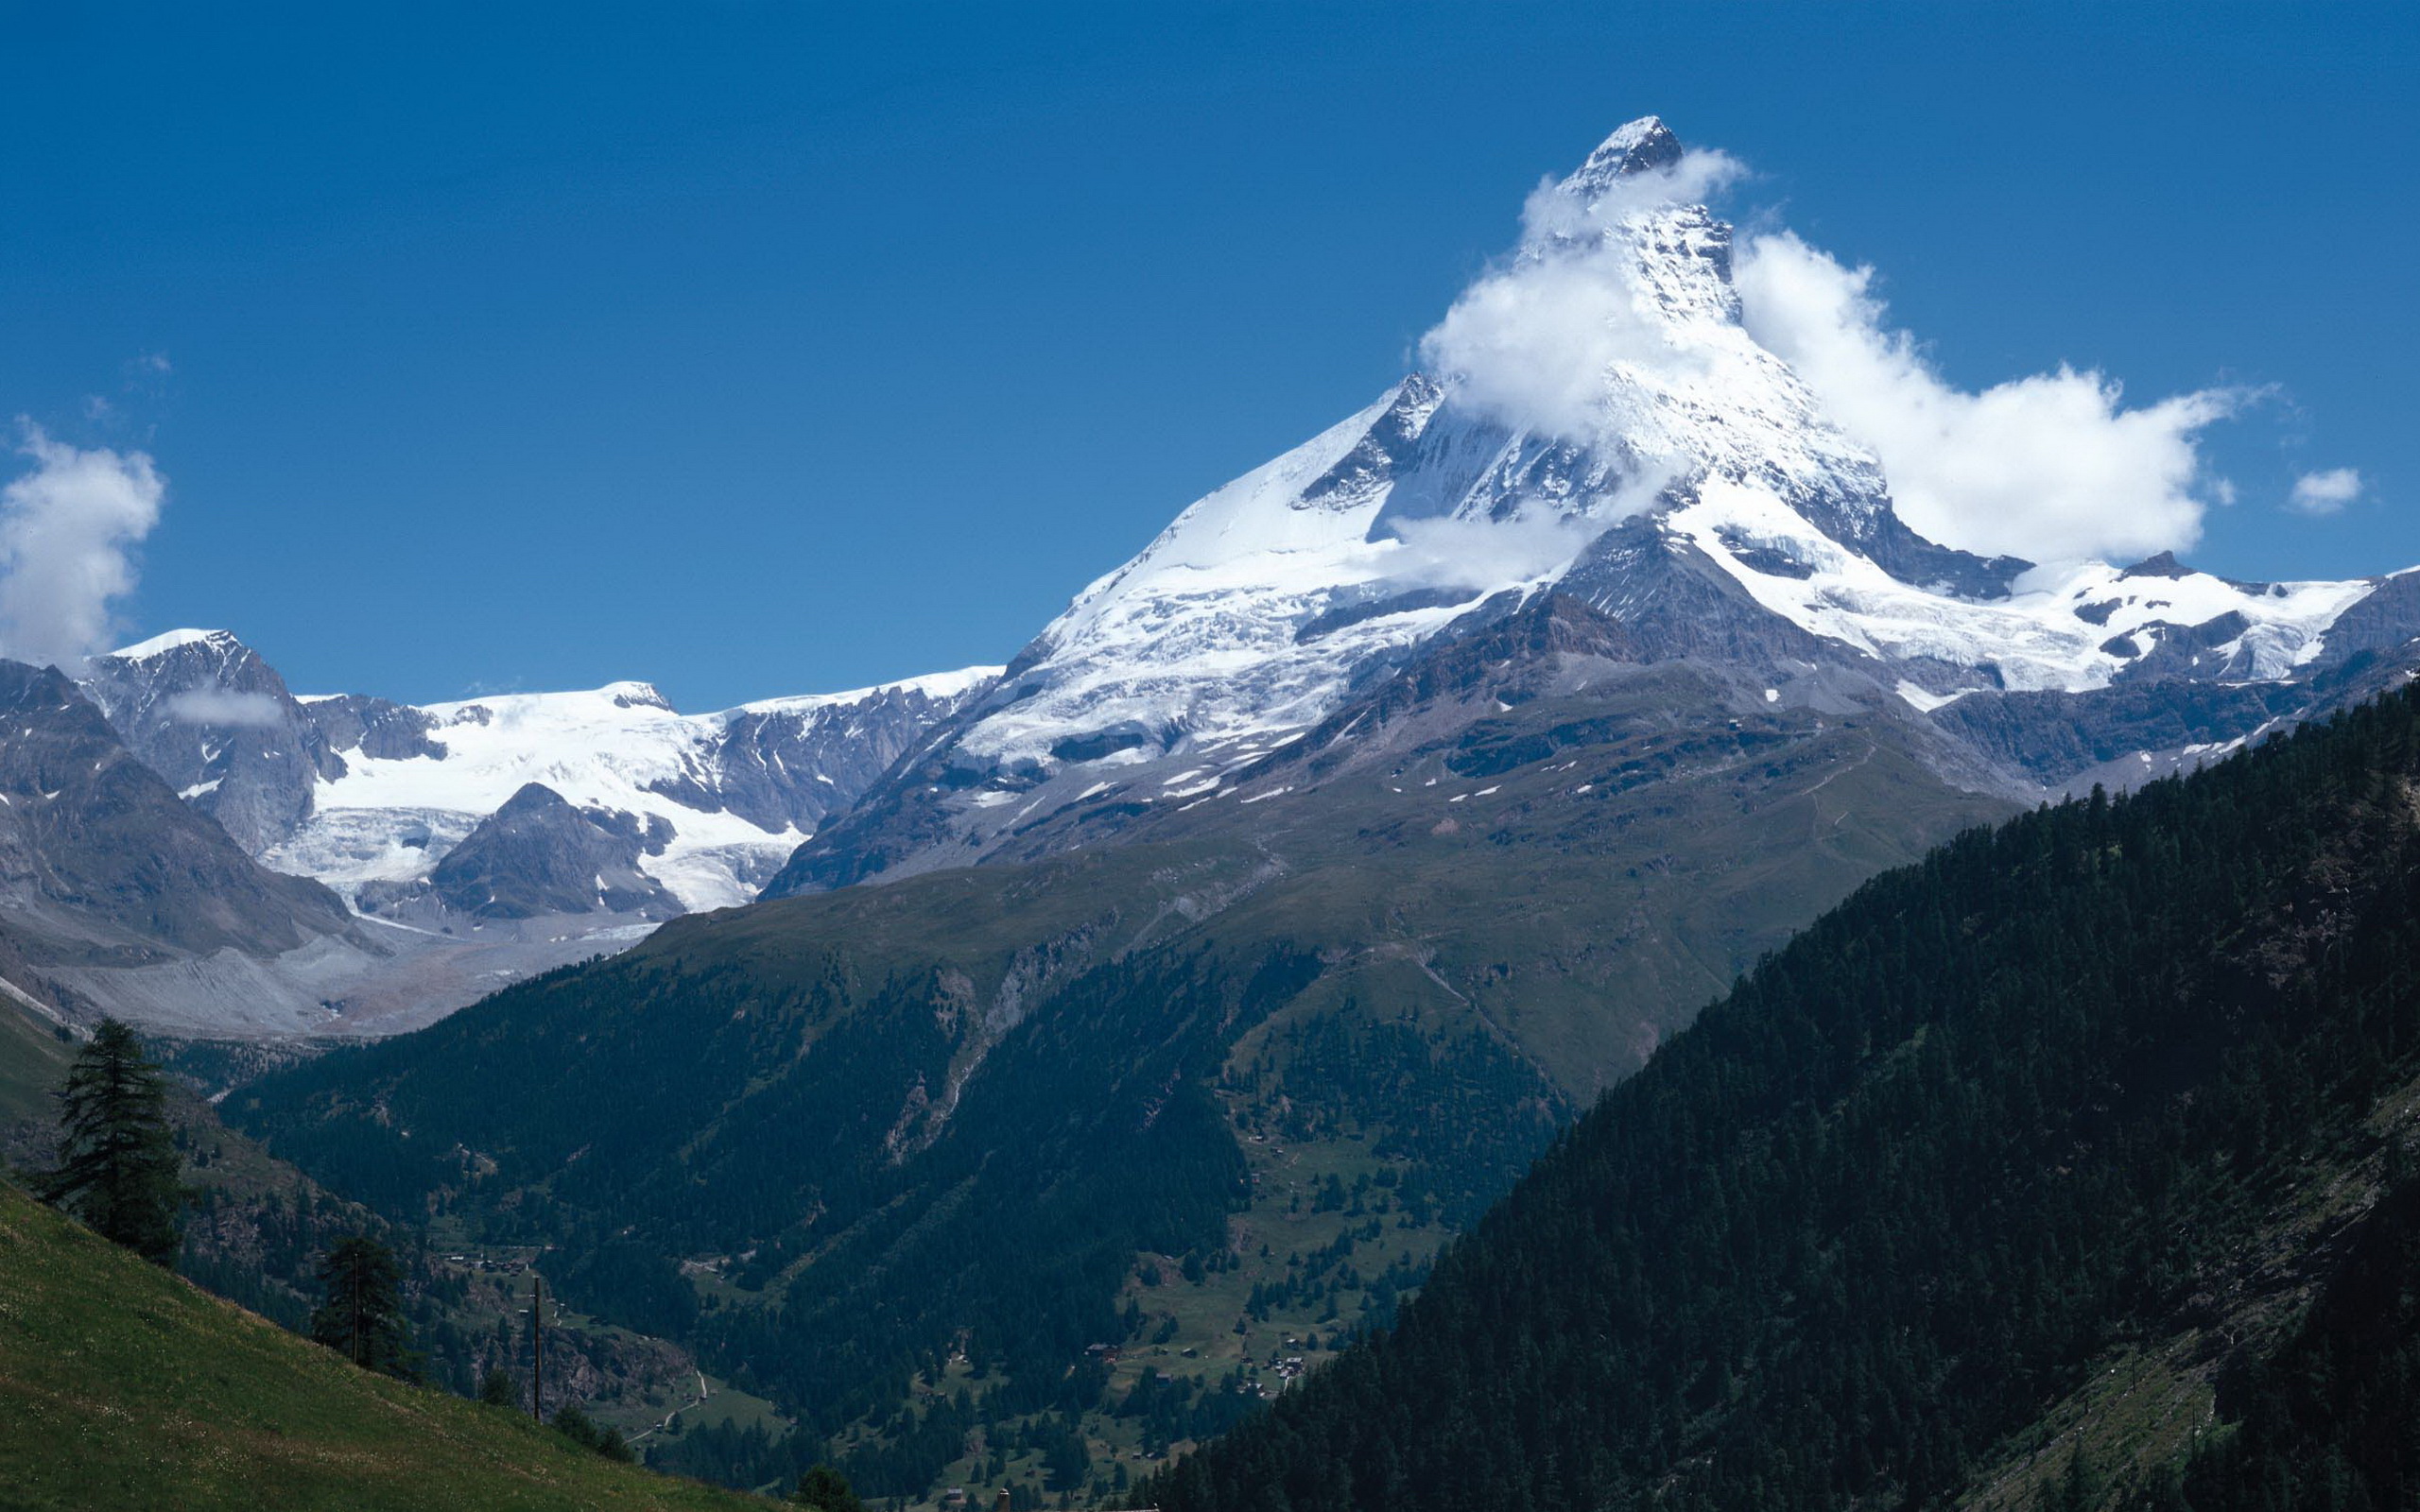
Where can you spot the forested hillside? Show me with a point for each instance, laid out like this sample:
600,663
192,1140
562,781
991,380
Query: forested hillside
1105,1149
2015,1178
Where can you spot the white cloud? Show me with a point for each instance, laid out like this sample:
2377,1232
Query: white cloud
2053,467
2326,493
68,529
224,705
1531,340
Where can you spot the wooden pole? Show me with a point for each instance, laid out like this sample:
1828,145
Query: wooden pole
537,1344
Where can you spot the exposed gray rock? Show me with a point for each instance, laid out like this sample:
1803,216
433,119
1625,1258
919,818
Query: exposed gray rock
100,862
374,727
539,855
215,720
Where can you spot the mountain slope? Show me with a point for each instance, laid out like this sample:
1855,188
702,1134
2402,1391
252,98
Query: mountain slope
426,821
1066,1064
125,1387
103,865
255,1229
2114,1085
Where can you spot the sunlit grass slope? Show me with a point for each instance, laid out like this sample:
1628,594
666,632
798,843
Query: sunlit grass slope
123,1386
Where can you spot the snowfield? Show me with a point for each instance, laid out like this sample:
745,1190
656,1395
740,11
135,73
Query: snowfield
621,747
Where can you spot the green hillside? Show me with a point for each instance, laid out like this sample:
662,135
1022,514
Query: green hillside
123,1386
2072,1167
256,1229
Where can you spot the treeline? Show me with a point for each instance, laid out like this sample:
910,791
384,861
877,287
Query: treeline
1890,1199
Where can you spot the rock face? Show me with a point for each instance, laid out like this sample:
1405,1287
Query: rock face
1693,499
475,842
372,795
539,855
102,864
203,711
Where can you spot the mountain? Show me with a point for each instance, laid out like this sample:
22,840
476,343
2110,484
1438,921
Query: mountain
477,842
725,795
2073,1167
203,711
360,792
1690,502
538,856
126,1386
104,867
1276,907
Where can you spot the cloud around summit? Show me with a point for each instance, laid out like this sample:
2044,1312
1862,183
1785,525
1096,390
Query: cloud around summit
2053,466
1531,339
224,707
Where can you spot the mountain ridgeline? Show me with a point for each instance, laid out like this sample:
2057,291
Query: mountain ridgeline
189,845
1988,1186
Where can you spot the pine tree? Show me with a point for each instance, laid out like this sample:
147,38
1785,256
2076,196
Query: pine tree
827,1489
118,1163
363,1316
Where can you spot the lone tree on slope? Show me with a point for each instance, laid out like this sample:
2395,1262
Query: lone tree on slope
118,1163
363,1316
826,1490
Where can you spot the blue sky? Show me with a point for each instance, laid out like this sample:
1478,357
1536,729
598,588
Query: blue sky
756,350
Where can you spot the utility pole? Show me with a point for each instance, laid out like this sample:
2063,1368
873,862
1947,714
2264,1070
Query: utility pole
537,1345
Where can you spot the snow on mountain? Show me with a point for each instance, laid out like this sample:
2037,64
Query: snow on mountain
1251,615
1197,639
203,711
167,640
1595,418
475,842
2077,629
624,750
370,796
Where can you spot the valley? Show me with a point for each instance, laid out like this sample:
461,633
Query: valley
1544,947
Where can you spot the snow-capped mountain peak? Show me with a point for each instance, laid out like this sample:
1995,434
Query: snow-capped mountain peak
168,640
1593,419
1637,147
1256,609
